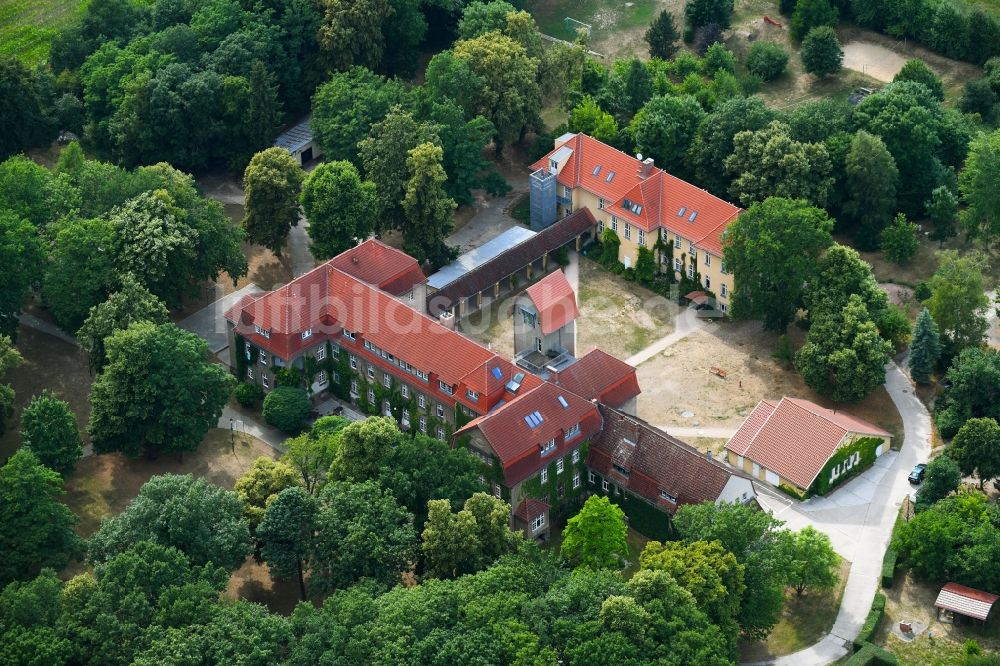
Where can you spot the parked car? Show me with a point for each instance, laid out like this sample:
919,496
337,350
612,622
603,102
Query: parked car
917,475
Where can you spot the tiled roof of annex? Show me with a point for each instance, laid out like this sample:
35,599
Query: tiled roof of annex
658,200
794,438
555,301
380,265
599,375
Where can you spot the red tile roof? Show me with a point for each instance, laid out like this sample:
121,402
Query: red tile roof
794,438
518,444
555,301
600,375
966,601
655,462
655,201
530,508
380,265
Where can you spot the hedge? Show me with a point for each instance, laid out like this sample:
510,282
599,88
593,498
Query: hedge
889,567
872,622
287,408
871,655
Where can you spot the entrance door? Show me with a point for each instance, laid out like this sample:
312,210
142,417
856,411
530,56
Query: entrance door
307,155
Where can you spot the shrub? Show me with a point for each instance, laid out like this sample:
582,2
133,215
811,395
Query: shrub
871,655
821,53
978,97
287,408
872,622
249,394
767,60
889,567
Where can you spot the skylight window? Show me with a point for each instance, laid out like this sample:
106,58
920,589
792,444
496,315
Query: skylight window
693,215
562,401
681,212
497,374
597,170
534,419
611,174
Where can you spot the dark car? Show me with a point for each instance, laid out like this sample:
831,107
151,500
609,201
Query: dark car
917,475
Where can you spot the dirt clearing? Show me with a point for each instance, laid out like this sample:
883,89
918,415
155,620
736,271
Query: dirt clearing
874,60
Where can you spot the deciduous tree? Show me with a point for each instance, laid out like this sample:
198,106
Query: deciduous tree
925,350
81,270
311,454
811,14
900,240
977,181
700,13
24,109
772,250
130,303
767,60
200,519
462,542
286,408
340,208
821,52
36,528
427,206
10,358
713,141
22,257
976,449
813,562
973,391
871,184
958,300
158,392
286,535
917,70
587,117
596,536
665,127
261,484
479,17
943,477
49,429
942,208
272,183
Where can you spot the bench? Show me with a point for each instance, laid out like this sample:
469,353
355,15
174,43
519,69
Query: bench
719,372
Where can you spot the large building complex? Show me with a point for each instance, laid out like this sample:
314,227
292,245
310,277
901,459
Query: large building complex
640,203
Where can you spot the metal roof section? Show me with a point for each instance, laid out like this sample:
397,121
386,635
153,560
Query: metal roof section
566,137
562,153
473,259
296,137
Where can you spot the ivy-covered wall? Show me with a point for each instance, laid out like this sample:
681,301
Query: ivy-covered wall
643,517
863,446
567,503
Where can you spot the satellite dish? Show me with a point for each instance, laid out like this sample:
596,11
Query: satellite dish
638,156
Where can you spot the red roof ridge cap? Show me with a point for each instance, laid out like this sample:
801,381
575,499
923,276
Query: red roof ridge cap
824,413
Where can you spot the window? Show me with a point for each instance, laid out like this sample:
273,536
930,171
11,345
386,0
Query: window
354,387
387,380
248,349
600,227
349,335
482,480
549,447
263,357
371,371
264,380
724,269
722,306
321,378
708,259
404,390
553,165
694,256
691,248
621,470
677,264
471,395
723,290
572,432
387,408
576,456
628,231
423,424
543,476
642,237
538,523
601,203
677,242
528,317
262,332
590,477
497,491
321,353
405,419
371,395
306,334
421,401
691,271
614,224
708,283
576,480
440,411
667,496
560,466
446,388
604,485
354,362
440,433
249,373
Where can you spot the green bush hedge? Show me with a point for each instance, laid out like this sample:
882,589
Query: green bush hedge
872,622
871,655
889,567
249,394
287,408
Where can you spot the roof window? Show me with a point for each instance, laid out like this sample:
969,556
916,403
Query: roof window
562,401
597,170
693,215
515,382
497,374
611,174
534,419
681,212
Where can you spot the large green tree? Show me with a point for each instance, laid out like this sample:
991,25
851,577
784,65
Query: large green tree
363,446
36,528
958,299
976,449
943,478
917,70
427,207
81,270
261,484
844,356
24,108
49,429
596,536
768,162
977,181
665,127
713,141
130,303
811,14
813,562
662,36
339,207
10,358
821,52
461,542
158,392
22,257
772,250
311,454
900,240
925,350
589,118
286,535
200,519
942,208
272,183
700,13
972,390
871,181
480,17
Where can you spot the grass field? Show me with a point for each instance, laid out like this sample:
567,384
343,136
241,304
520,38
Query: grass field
28,26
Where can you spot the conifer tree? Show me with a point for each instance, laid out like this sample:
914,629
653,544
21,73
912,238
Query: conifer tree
925,348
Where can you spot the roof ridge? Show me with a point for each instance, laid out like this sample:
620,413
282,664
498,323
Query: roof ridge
825,417
681,444
753,438
610,147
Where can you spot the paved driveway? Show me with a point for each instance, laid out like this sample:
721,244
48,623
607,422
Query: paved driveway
210,321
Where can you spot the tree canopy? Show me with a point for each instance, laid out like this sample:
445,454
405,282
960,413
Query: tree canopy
596,536
49,429
272,183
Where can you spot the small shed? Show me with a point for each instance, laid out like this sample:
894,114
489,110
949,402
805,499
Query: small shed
966,601
298,140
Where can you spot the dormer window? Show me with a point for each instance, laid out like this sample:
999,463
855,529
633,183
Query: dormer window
664,495
621,470
446,388
349,335
553,165
548,447
263,332
306,334
572,432
471,395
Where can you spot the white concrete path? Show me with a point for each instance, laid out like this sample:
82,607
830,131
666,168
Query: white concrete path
859,518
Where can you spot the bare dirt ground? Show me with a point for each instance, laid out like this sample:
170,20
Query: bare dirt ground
620,317
874,60
49,363
679,380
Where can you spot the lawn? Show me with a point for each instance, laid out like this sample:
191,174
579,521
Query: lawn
27,27
804,621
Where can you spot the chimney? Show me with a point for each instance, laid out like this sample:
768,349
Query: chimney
708,455
647,166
